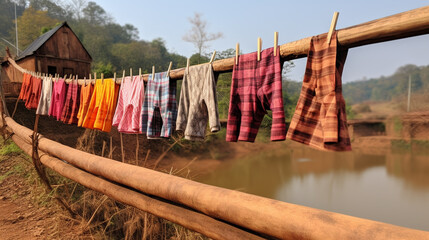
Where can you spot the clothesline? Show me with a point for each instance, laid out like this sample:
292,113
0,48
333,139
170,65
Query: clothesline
256,87
407,24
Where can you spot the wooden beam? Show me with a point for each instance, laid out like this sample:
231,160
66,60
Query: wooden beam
402,25
188,218
273,218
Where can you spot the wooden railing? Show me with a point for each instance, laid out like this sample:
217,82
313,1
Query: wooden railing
217,212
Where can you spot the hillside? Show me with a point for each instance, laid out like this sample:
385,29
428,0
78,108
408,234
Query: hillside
390,87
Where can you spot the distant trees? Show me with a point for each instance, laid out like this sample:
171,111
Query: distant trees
31,25
386,88
198,34
7,17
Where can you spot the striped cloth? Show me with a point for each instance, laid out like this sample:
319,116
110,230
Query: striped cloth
159,108
128,115
320,117
71,105
256,87
33,94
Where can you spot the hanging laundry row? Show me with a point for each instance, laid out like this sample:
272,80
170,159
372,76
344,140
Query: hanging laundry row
319,119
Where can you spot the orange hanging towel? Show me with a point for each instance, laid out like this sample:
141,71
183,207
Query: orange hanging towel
25,87
85,99
102,105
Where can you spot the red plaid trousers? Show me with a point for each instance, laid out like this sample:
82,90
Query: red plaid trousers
256,87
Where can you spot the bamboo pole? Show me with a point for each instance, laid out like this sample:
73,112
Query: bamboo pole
266,216
190,219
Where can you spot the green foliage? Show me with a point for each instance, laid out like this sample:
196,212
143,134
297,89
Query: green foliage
31,24
397,125
106,69
291,91
7,24
387,88
10,148
349,111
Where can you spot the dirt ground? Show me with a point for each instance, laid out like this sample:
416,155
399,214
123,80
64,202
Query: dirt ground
22,214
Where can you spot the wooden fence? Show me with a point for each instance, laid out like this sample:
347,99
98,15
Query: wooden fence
217,212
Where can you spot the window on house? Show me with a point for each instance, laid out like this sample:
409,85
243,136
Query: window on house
68,71
52,70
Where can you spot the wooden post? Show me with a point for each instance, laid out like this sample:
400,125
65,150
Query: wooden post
276,42
409,93
137,148
259,48
122,148
237,50
333,25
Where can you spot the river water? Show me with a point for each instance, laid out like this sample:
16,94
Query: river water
390,186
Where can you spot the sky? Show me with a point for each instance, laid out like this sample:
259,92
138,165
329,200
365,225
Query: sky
244,21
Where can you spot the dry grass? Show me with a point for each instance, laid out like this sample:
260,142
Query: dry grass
96,216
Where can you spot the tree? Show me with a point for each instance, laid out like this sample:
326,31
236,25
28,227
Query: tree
95,14
31,24
7,26
54,9
198,35
77,6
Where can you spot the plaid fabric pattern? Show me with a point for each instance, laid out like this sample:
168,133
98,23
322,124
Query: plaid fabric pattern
102,105
34,93
256,87
57,99
198,103
85,99
128,115
25,87
320,117
70,110
45,96
159,111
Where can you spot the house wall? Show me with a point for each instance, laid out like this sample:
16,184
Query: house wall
65,52
12,78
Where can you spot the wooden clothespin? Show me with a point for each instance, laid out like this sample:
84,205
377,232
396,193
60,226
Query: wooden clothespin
153,73
213,56
131,74
84,81
333,25
123,76
114,77
259,48
187,64
102,78
169,68
276,42
77,79
65,77
140,73
237,50
90,78
95,78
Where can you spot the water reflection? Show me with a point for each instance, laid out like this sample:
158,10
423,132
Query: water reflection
387,186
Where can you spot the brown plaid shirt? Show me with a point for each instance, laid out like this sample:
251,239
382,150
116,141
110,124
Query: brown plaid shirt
320,116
